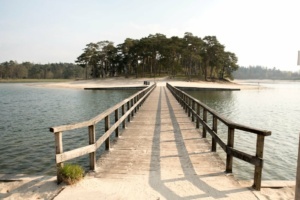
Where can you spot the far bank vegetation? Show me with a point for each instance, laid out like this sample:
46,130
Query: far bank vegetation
187,58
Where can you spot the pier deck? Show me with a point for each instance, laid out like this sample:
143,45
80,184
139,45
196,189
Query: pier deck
160,155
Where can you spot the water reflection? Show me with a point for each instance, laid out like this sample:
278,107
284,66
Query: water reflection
275,108
26,145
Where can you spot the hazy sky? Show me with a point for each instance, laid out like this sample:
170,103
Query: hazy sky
259,32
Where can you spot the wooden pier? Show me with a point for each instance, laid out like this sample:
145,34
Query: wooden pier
163,150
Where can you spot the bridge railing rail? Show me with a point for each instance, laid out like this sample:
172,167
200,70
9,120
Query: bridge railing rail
193,107
128,107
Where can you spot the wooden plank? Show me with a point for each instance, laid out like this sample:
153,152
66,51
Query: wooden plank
225,120
245,157
103,138
68,155
101,116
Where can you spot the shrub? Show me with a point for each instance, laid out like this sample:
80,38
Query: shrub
71,173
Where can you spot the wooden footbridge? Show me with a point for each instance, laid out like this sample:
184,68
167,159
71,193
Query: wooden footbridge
161,145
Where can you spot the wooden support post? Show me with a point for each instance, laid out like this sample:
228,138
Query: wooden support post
138,98
135,100
107,124
198,113
185,104
123,112
116,119
205,120
128,107
132,112
58,150
193,109
189,106
215,129
258,169
92,140
230,143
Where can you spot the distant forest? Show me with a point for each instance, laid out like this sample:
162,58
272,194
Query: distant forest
259,72
190,57
27,70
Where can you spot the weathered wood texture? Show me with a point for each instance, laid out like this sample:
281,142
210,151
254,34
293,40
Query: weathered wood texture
132,103
162,154
257,160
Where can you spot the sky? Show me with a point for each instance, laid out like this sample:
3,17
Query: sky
259,32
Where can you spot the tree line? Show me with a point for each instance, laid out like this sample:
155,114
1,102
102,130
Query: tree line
14,70
156,55
259,72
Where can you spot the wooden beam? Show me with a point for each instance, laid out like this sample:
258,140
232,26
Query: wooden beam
92,139
230,143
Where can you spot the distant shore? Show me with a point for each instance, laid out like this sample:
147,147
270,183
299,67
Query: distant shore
137,82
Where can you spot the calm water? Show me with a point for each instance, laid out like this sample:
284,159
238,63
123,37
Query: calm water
275,108
26,145
27,112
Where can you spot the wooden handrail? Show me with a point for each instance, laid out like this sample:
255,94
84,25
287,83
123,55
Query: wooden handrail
192,107
133,103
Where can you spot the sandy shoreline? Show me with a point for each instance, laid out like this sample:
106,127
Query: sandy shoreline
133,82
45,187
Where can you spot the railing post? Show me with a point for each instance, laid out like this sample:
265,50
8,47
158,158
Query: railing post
58,150
132,112
186,103
107,124
138,98
123,112
230,143
215,129
205,120
189,106
92,140
116,119
128,108
135,100
193,109
258,169
198,113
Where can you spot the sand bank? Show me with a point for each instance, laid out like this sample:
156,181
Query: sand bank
133,82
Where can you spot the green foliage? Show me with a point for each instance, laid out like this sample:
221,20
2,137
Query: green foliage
71,173
156,55
27,70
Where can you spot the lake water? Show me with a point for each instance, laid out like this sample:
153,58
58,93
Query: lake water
275,107
27,112
26,145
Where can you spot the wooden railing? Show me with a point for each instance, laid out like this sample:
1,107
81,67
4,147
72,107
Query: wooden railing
132,104
193,107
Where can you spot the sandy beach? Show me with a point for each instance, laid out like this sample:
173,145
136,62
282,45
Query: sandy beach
45,187
133,82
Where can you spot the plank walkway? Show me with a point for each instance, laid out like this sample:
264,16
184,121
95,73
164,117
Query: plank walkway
160,155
